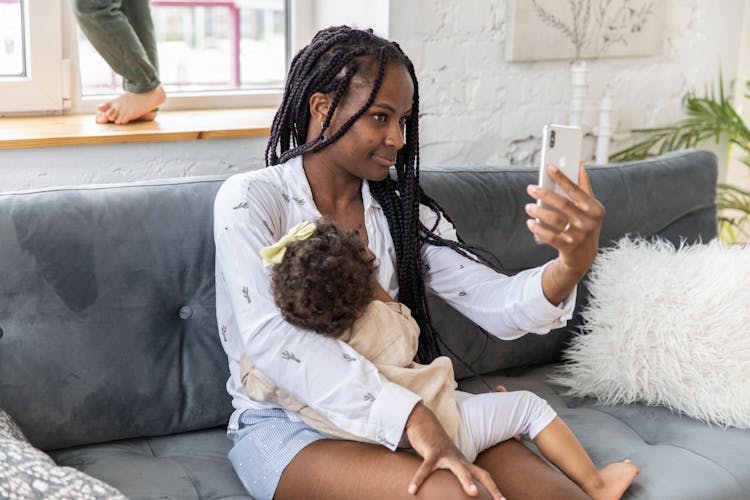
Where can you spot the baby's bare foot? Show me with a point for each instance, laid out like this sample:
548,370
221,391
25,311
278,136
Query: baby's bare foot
131,107
615,479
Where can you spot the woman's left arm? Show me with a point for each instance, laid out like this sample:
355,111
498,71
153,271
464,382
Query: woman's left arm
571,226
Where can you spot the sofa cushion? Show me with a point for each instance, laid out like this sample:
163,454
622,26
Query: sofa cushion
108,316
26,472
679,457
191,465
666,326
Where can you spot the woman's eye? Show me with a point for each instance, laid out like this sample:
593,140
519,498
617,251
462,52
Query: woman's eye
402,121
380,117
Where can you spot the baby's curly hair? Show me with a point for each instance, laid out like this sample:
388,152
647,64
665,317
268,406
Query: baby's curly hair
325,281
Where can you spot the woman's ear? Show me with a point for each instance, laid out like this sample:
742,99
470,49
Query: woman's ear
319,105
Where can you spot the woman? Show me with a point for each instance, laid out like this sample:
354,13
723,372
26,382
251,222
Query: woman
349,113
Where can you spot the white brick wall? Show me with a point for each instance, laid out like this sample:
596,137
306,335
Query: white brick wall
476,108
479,109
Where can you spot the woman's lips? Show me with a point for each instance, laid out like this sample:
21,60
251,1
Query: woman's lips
386,162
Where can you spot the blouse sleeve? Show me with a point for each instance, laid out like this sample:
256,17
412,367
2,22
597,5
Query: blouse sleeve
323,372
508,307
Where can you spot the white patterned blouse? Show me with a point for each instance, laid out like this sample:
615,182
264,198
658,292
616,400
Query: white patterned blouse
253,210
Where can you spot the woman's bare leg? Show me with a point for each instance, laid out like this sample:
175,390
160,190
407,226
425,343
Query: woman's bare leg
331,469
520,474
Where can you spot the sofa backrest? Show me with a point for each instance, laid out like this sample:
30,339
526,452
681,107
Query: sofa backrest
108,317
671,197
108,312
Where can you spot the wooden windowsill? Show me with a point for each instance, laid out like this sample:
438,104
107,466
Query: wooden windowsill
74,130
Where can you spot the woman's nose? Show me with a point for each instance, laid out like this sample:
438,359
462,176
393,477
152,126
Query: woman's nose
395,137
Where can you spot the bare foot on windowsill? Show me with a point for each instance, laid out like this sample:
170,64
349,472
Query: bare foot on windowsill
131,107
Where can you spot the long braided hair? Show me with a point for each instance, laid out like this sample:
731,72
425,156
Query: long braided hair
328,65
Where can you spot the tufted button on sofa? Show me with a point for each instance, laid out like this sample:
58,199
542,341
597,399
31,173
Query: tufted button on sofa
185,312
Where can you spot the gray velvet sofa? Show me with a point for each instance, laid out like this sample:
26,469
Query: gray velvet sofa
109,352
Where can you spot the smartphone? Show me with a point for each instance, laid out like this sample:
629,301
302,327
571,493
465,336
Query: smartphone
561,147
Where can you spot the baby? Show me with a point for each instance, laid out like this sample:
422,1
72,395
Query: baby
323,279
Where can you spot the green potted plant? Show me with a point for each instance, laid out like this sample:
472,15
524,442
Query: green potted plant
708,117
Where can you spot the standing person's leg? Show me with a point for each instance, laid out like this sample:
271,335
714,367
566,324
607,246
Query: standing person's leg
108,29
138,13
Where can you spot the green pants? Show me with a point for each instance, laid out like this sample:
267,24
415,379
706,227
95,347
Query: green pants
122,31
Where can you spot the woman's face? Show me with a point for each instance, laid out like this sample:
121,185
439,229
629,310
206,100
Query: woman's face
368,149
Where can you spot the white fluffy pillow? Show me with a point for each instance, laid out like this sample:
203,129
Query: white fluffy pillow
669,327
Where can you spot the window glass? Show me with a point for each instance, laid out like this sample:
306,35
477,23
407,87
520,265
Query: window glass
205,45
12,52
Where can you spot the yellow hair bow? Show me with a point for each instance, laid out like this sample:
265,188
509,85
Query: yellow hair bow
274,254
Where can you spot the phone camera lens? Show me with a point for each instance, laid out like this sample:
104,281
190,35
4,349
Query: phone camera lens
552,139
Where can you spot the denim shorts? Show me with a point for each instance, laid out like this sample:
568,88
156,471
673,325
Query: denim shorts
265,443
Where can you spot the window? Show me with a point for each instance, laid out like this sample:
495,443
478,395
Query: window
30,56
12,52
212,54
205,46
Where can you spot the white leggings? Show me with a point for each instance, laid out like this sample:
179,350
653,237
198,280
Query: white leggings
489,418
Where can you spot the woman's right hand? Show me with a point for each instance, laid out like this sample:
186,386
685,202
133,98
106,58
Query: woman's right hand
429,439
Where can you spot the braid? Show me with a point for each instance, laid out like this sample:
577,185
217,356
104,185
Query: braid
318,68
